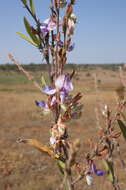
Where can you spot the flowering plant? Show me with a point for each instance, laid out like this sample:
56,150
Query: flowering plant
53,38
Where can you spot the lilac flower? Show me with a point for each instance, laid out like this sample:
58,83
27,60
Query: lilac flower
63,83
41,104
44,30
51,25
47,26
60,43
71,47
98,172
62,96
48,90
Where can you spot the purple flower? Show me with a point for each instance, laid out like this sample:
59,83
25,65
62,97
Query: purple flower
62,96
44,30
99,172
41,104
47,26
93,169
63,83
48,90
71,47
60,43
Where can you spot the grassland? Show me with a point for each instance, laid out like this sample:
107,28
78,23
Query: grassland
24,168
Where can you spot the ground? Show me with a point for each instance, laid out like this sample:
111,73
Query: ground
25,168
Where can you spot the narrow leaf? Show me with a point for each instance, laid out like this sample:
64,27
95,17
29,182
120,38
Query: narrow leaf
109,169
36,144
29,30
26,38
123,128
32,7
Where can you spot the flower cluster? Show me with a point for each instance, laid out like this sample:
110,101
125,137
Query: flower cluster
92,170
58,94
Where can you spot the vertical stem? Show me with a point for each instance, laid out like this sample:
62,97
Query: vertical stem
47,57
116,186
57,60
68,180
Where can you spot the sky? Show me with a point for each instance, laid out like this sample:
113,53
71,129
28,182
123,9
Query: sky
100,34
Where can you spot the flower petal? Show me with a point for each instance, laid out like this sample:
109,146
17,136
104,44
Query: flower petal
41,104
99,172
93,168
48,90
68,86
63,82
71,47
44,30
53,101
50,24
52,140
60,43
62,96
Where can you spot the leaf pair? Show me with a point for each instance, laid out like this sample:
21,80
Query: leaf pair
33,39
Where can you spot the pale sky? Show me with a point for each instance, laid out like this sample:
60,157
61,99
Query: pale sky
100,34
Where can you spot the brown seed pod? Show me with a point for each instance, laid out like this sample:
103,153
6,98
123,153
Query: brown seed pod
103,152
115,134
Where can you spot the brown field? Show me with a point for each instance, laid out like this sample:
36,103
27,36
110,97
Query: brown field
23,167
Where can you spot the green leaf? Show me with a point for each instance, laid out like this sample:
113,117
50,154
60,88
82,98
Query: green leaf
109,169
123,128
26,38
32,7
61,166
28,29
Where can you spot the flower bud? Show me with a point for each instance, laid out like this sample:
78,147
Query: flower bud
89,179
69,10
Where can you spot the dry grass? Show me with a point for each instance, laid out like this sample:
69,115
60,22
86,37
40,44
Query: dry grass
23,168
